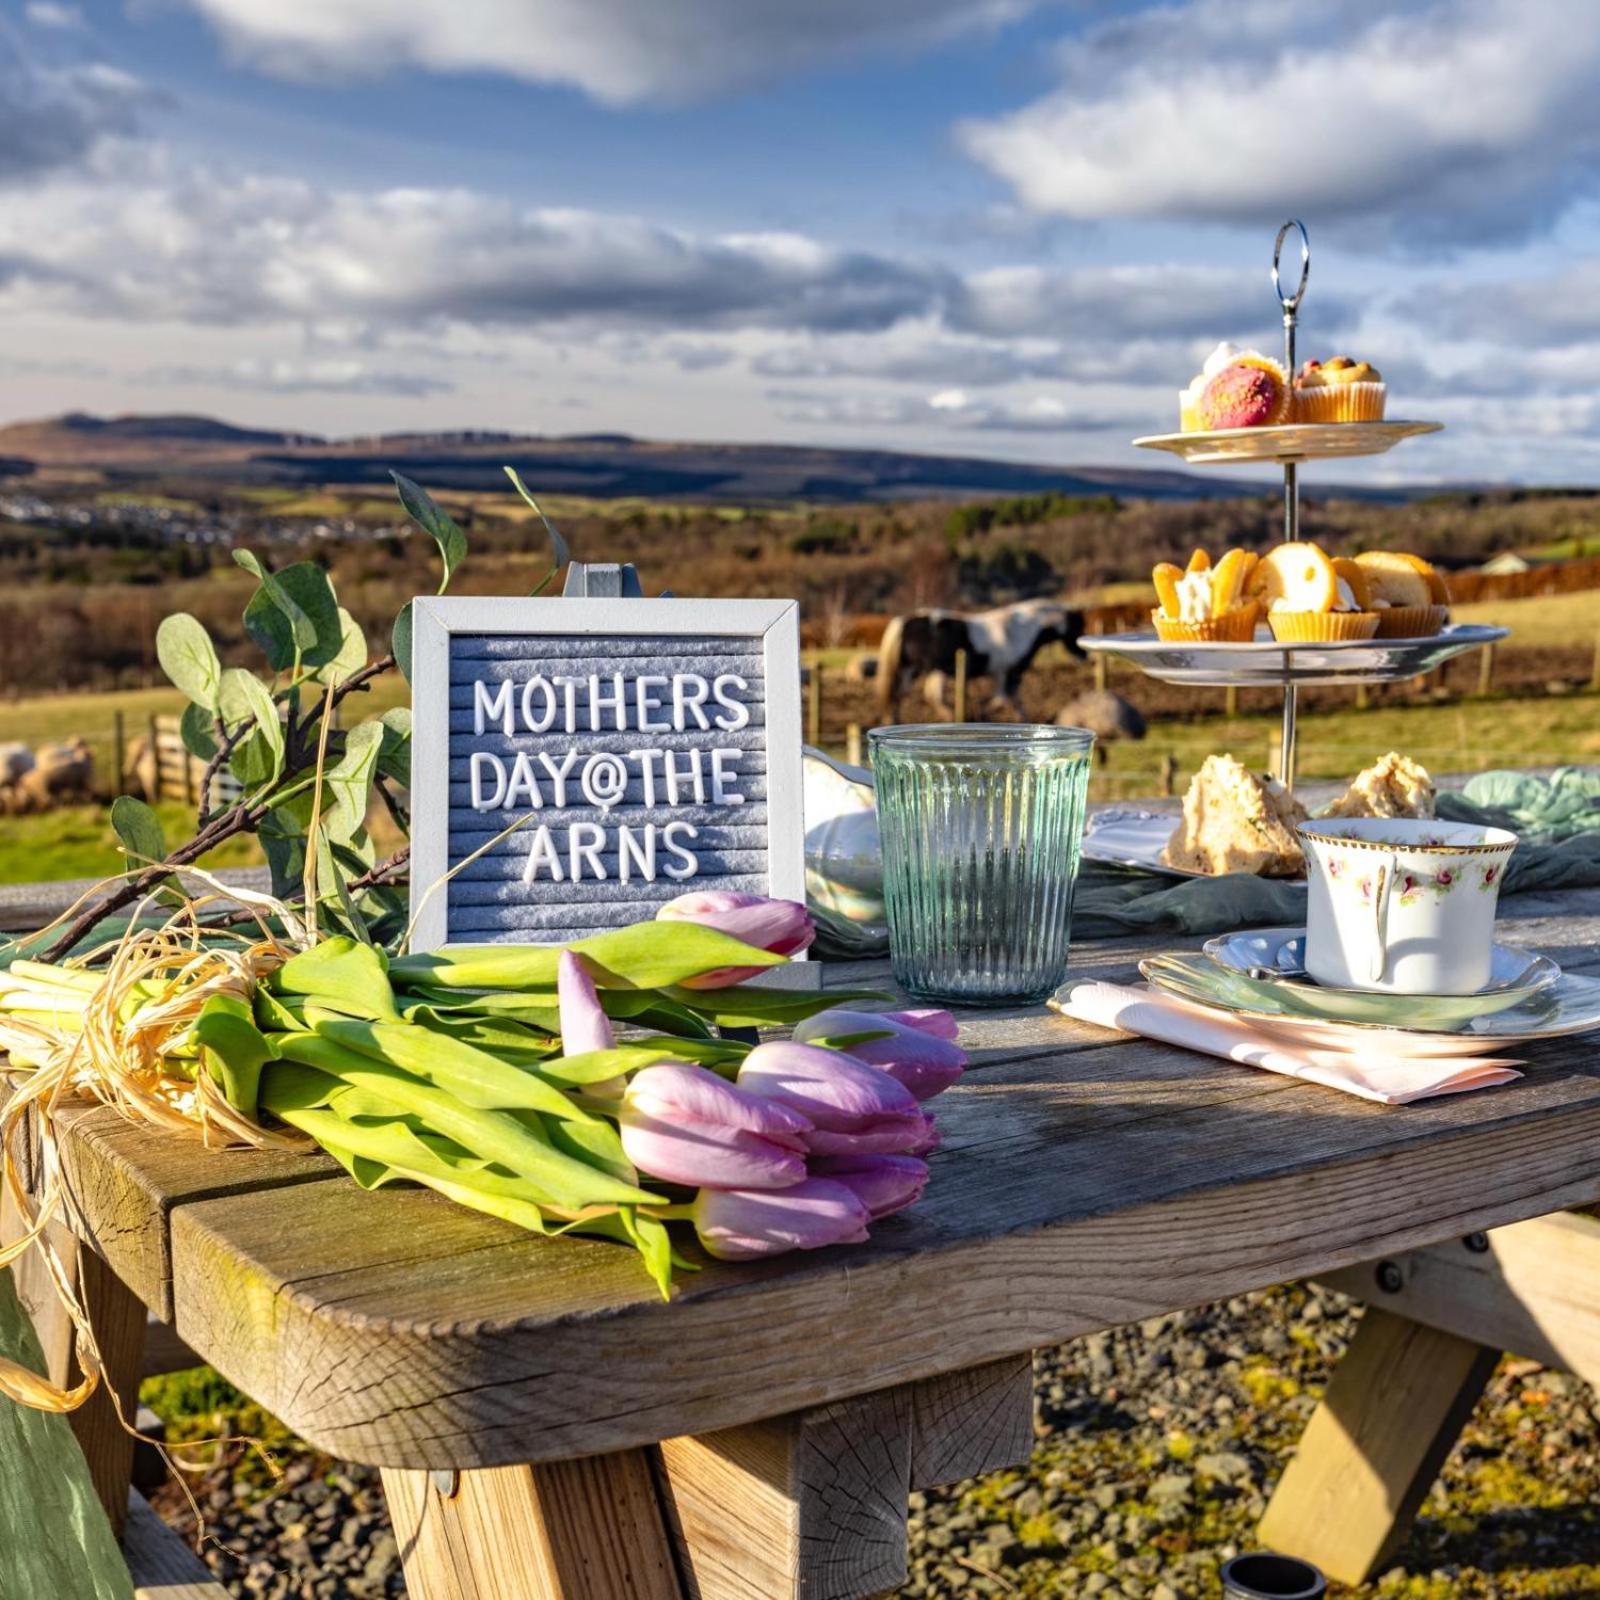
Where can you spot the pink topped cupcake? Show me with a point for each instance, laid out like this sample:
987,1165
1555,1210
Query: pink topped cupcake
1251,392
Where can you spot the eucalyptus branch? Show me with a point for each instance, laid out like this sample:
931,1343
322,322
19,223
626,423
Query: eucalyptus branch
227,743
357,682
391,803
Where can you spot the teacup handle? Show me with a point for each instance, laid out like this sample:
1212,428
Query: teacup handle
1380,903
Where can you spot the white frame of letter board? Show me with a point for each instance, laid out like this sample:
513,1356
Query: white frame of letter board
436,618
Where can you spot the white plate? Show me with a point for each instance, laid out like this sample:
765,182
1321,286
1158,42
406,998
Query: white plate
1268,661
1117,838
1570,1005
1291,441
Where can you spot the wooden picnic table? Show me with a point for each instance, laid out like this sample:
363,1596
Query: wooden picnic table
548,1427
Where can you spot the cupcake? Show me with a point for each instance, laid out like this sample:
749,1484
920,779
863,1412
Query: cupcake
1252,391
1189,399
1203,604
1339,390
1307,601
1410,597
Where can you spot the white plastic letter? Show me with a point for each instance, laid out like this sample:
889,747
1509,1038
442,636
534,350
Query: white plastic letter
538,724
689,691
694,776
724,772
558,775
631,854
487,708
690,862
483,760
741,712
523,785
616,702
542,852
584,840
646,701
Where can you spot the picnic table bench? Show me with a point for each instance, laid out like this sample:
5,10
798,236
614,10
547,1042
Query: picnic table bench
546,1426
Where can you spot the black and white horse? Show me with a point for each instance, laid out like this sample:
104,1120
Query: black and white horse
1000,644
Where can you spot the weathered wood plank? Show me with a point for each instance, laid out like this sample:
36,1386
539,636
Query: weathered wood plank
162,1566
971,1422
1374,1445
573,1530
127,1178
117,1317
805,1507
1074,1192
1534,1291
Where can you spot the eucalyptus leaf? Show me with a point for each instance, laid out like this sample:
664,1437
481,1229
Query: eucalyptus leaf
394,755
434,521
400,641
139,829
257,759
197,727
189,659
310,627
349,781
351,655
559,553
302,629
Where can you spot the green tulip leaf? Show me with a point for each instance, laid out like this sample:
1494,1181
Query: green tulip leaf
342,975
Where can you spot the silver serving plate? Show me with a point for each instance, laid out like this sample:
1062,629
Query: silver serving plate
1268,661
1289,441
1133,839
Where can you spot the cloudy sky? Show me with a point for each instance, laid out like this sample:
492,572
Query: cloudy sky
1003,227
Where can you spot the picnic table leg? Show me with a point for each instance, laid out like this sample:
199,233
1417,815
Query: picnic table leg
1375,1444
118,1318
589,1529
812,1506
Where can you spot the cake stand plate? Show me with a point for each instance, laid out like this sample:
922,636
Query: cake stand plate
1293,441
1267,661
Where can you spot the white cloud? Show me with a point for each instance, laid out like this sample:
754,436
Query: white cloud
618,51
51,14
952,409
56,117
1464,121
278,376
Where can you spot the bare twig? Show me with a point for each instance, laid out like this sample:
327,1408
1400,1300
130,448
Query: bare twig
227,743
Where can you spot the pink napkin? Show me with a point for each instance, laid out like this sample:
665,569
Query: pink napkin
1383,1068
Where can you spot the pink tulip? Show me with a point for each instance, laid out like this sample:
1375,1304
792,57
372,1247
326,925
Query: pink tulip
927,1141
918,1051
883,1184
782,926
683,1124
584,1024
739,1224
853,1109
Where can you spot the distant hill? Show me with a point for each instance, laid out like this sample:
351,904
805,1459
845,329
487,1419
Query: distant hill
140,450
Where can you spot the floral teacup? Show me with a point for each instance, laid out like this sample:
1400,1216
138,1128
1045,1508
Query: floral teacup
1401,904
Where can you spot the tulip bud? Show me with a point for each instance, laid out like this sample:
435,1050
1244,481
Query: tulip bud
740,1224
883,1184
927,1141
782,926
918,1050
853,1109
584,1024
684,1124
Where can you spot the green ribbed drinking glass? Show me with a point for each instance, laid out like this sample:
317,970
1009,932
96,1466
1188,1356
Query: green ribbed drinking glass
981,825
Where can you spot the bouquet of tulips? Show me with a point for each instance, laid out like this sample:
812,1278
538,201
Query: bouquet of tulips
495,1075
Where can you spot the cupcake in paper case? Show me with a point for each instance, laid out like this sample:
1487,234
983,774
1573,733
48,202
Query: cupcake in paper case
1339,390
1310,599
1252,391
1409,595
1202,604
1189,399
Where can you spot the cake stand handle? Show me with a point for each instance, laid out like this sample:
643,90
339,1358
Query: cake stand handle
1286,739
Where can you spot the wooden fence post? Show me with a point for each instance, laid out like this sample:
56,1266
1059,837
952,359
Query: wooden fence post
1102,669
960,711
1363,697
155,758
852,744
1169,773
119,754
1594,671
814,704
1486,669
1230,700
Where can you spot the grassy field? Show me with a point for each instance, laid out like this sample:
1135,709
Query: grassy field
1462,735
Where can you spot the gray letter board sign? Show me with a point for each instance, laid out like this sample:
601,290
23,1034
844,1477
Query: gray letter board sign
652,748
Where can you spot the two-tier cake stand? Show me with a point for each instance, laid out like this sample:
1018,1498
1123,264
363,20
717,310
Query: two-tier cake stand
1265,660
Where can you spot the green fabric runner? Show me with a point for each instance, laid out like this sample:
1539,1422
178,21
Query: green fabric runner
1557,818
55,1542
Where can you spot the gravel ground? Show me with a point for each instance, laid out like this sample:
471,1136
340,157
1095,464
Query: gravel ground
1156,1447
